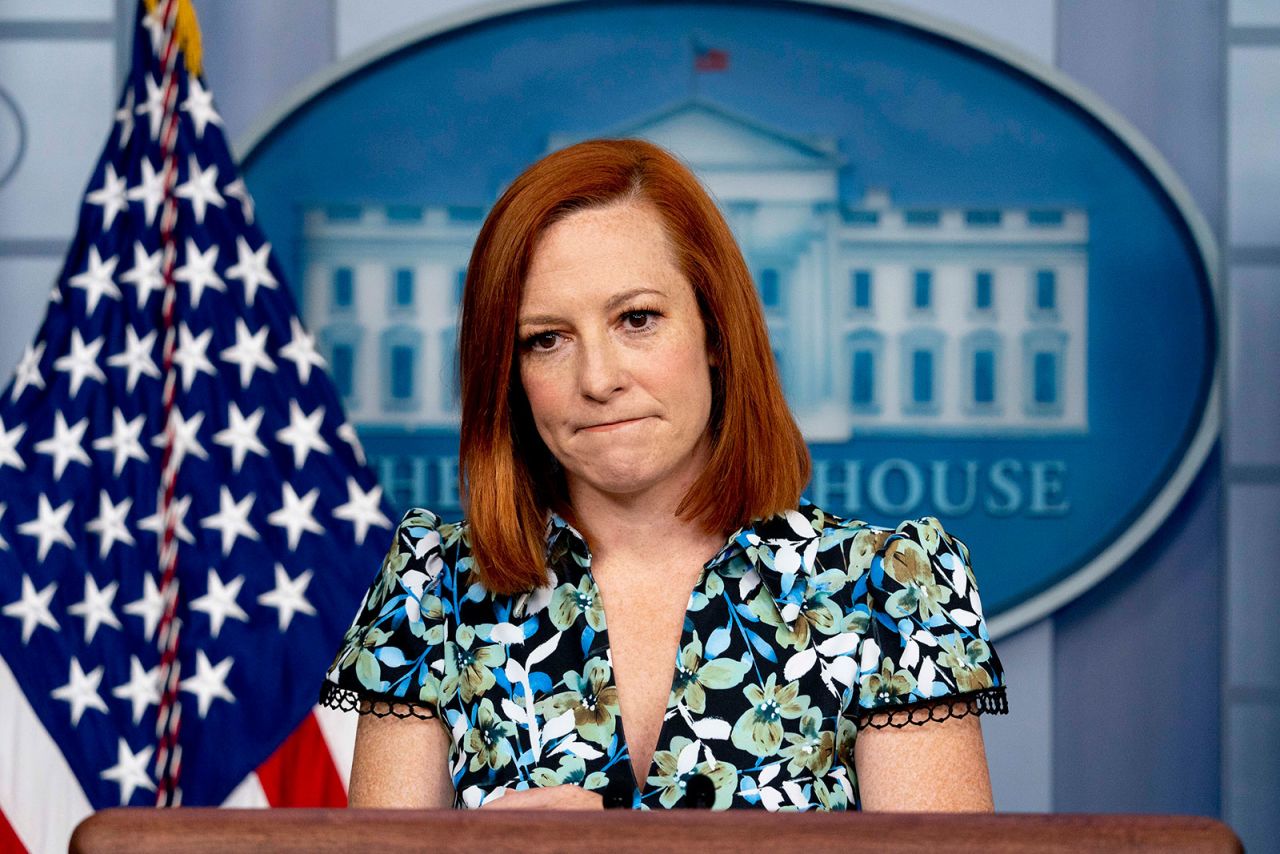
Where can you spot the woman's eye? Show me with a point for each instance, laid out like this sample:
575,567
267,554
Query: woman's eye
639,319
541,341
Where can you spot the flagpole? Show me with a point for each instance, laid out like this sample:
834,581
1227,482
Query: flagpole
122,366
169,716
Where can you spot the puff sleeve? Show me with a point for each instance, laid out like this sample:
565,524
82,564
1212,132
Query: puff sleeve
392,658
926,650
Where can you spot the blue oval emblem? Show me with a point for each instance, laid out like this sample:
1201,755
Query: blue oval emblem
990,299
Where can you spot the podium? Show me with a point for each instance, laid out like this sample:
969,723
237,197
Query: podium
145,830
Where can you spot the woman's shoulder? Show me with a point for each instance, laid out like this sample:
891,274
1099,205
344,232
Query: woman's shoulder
809,523
427,551
423,530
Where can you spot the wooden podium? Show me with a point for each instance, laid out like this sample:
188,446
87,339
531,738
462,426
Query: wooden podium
145,830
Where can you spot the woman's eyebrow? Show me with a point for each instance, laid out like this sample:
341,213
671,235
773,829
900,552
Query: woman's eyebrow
618,300
615,302
538,320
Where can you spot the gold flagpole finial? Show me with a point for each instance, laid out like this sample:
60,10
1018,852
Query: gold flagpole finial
187,32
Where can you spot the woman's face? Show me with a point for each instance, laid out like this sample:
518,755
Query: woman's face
613,354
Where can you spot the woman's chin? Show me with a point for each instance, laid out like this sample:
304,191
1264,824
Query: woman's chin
621,479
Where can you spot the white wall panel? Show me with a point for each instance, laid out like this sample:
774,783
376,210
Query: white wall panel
357,29
57,10
1020,744
1253,588
1255,13
1253,155
1028,25
65,95
1253,371
1253,776
25,284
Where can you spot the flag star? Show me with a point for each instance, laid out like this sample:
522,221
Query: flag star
249,351
145,273
95,607
219,602
124,116
347,433
362,509
82,362
241,435
96,280
33,607
296,514
237,190
199,104
28,373
186,437
49,526
130,770
153,21
252,268
81,691
9,439
200,188
198,273
303,433
301,350
123,442
153,106
142,689
190,355
289,596
231,520
136,357
155,522
65,444
110,196
110,525
4,544
150,607
209,683
150,192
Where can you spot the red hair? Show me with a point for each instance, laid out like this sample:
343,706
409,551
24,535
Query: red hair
759,463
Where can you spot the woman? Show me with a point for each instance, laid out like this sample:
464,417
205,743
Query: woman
625,441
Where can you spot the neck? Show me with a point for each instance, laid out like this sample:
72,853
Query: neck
621,528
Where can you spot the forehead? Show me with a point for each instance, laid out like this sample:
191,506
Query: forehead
600,251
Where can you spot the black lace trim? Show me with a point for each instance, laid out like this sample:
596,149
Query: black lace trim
344,700
990,701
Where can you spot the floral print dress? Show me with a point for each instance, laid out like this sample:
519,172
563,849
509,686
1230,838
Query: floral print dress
804,628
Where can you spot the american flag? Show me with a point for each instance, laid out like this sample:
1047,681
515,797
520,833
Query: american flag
172,394
709,58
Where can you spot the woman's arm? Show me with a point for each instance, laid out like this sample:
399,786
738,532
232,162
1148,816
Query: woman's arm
400,762
939,766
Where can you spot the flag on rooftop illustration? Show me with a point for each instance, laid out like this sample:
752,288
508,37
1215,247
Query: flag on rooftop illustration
187,523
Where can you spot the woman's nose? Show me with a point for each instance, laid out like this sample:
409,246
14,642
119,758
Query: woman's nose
601,372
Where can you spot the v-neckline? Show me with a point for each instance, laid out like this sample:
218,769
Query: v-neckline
638,784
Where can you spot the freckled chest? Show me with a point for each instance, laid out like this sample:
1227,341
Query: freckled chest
644,616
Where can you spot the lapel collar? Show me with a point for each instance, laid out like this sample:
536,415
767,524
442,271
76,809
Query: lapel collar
783,549
566,554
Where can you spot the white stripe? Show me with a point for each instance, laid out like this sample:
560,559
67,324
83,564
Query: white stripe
339,730
248,794
39,794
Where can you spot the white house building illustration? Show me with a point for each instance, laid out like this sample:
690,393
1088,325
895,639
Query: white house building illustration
937,320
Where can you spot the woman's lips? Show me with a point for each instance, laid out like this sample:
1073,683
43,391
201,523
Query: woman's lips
612,425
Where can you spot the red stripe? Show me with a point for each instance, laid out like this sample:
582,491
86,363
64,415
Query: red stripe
301,772
9,840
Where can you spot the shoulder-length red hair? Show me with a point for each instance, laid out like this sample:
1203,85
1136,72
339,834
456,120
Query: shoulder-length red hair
759,463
